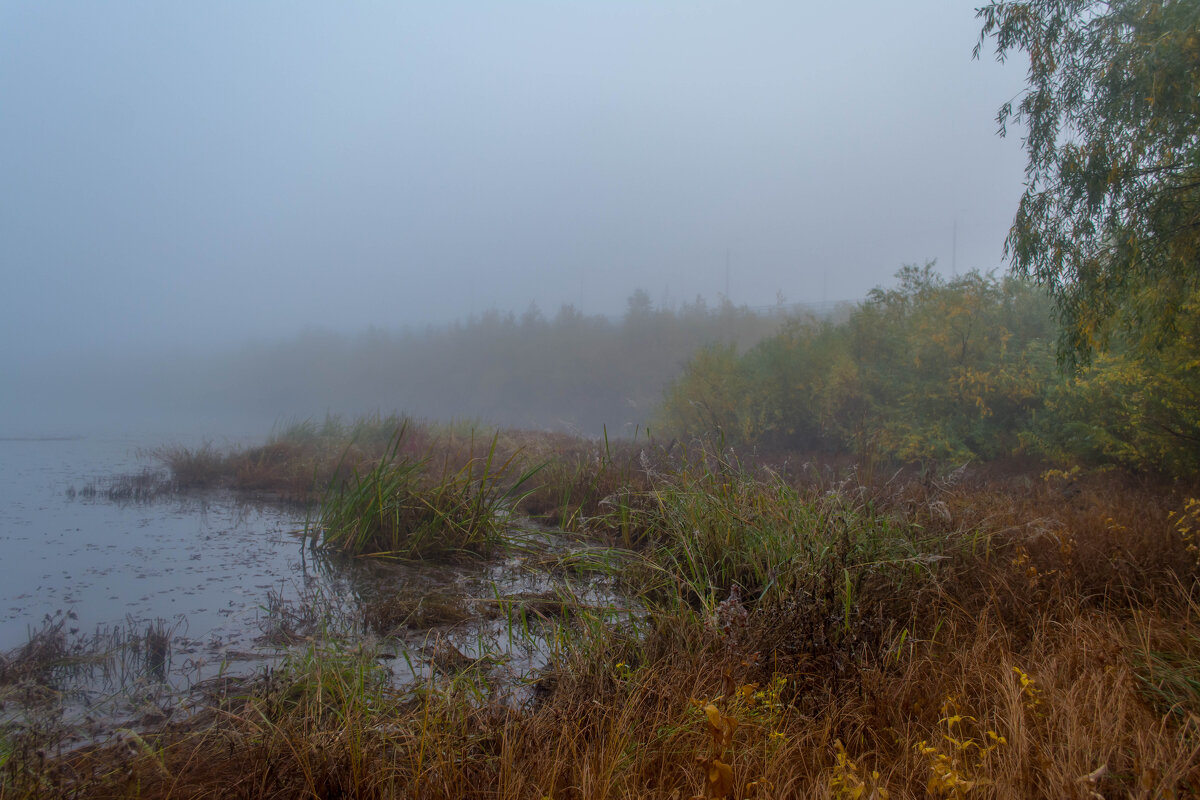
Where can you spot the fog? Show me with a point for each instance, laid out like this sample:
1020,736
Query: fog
190,191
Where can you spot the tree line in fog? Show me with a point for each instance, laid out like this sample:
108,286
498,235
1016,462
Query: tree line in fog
566,371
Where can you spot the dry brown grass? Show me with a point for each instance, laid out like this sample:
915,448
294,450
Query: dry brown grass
1051,651
298,464
609,732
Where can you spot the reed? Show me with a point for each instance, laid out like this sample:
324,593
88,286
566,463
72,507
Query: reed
200,467
798,634
396,509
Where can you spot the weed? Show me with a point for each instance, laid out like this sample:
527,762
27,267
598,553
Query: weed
847,781
956,764
1187,525
395,510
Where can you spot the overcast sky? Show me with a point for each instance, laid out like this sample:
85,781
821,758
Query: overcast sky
192,173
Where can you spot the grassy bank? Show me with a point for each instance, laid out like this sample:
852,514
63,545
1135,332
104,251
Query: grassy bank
806,633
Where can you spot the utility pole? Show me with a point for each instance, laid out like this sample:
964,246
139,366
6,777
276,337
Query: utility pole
954,251
728,303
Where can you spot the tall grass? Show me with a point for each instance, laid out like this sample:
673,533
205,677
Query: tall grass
973,634
194,467
709,529
975,712
397,509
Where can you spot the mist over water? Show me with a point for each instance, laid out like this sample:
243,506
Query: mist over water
189,186
569,372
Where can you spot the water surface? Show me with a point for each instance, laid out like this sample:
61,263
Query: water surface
205,563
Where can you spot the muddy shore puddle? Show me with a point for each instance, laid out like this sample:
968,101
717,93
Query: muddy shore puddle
128,613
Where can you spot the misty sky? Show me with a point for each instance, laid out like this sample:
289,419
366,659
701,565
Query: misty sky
186,174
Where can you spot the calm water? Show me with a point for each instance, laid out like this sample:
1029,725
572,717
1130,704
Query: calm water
204,565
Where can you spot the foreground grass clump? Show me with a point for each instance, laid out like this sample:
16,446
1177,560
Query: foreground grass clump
711,528
397,509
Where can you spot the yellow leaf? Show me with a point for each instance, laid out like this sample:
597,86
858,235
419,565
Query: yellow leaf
720,727
718,777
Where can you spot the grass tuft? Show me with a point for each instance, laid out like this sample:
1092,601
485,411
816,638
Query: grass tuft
396,509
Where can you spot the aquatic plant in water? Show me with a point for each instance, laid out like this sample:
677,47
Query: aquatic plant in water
397,509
